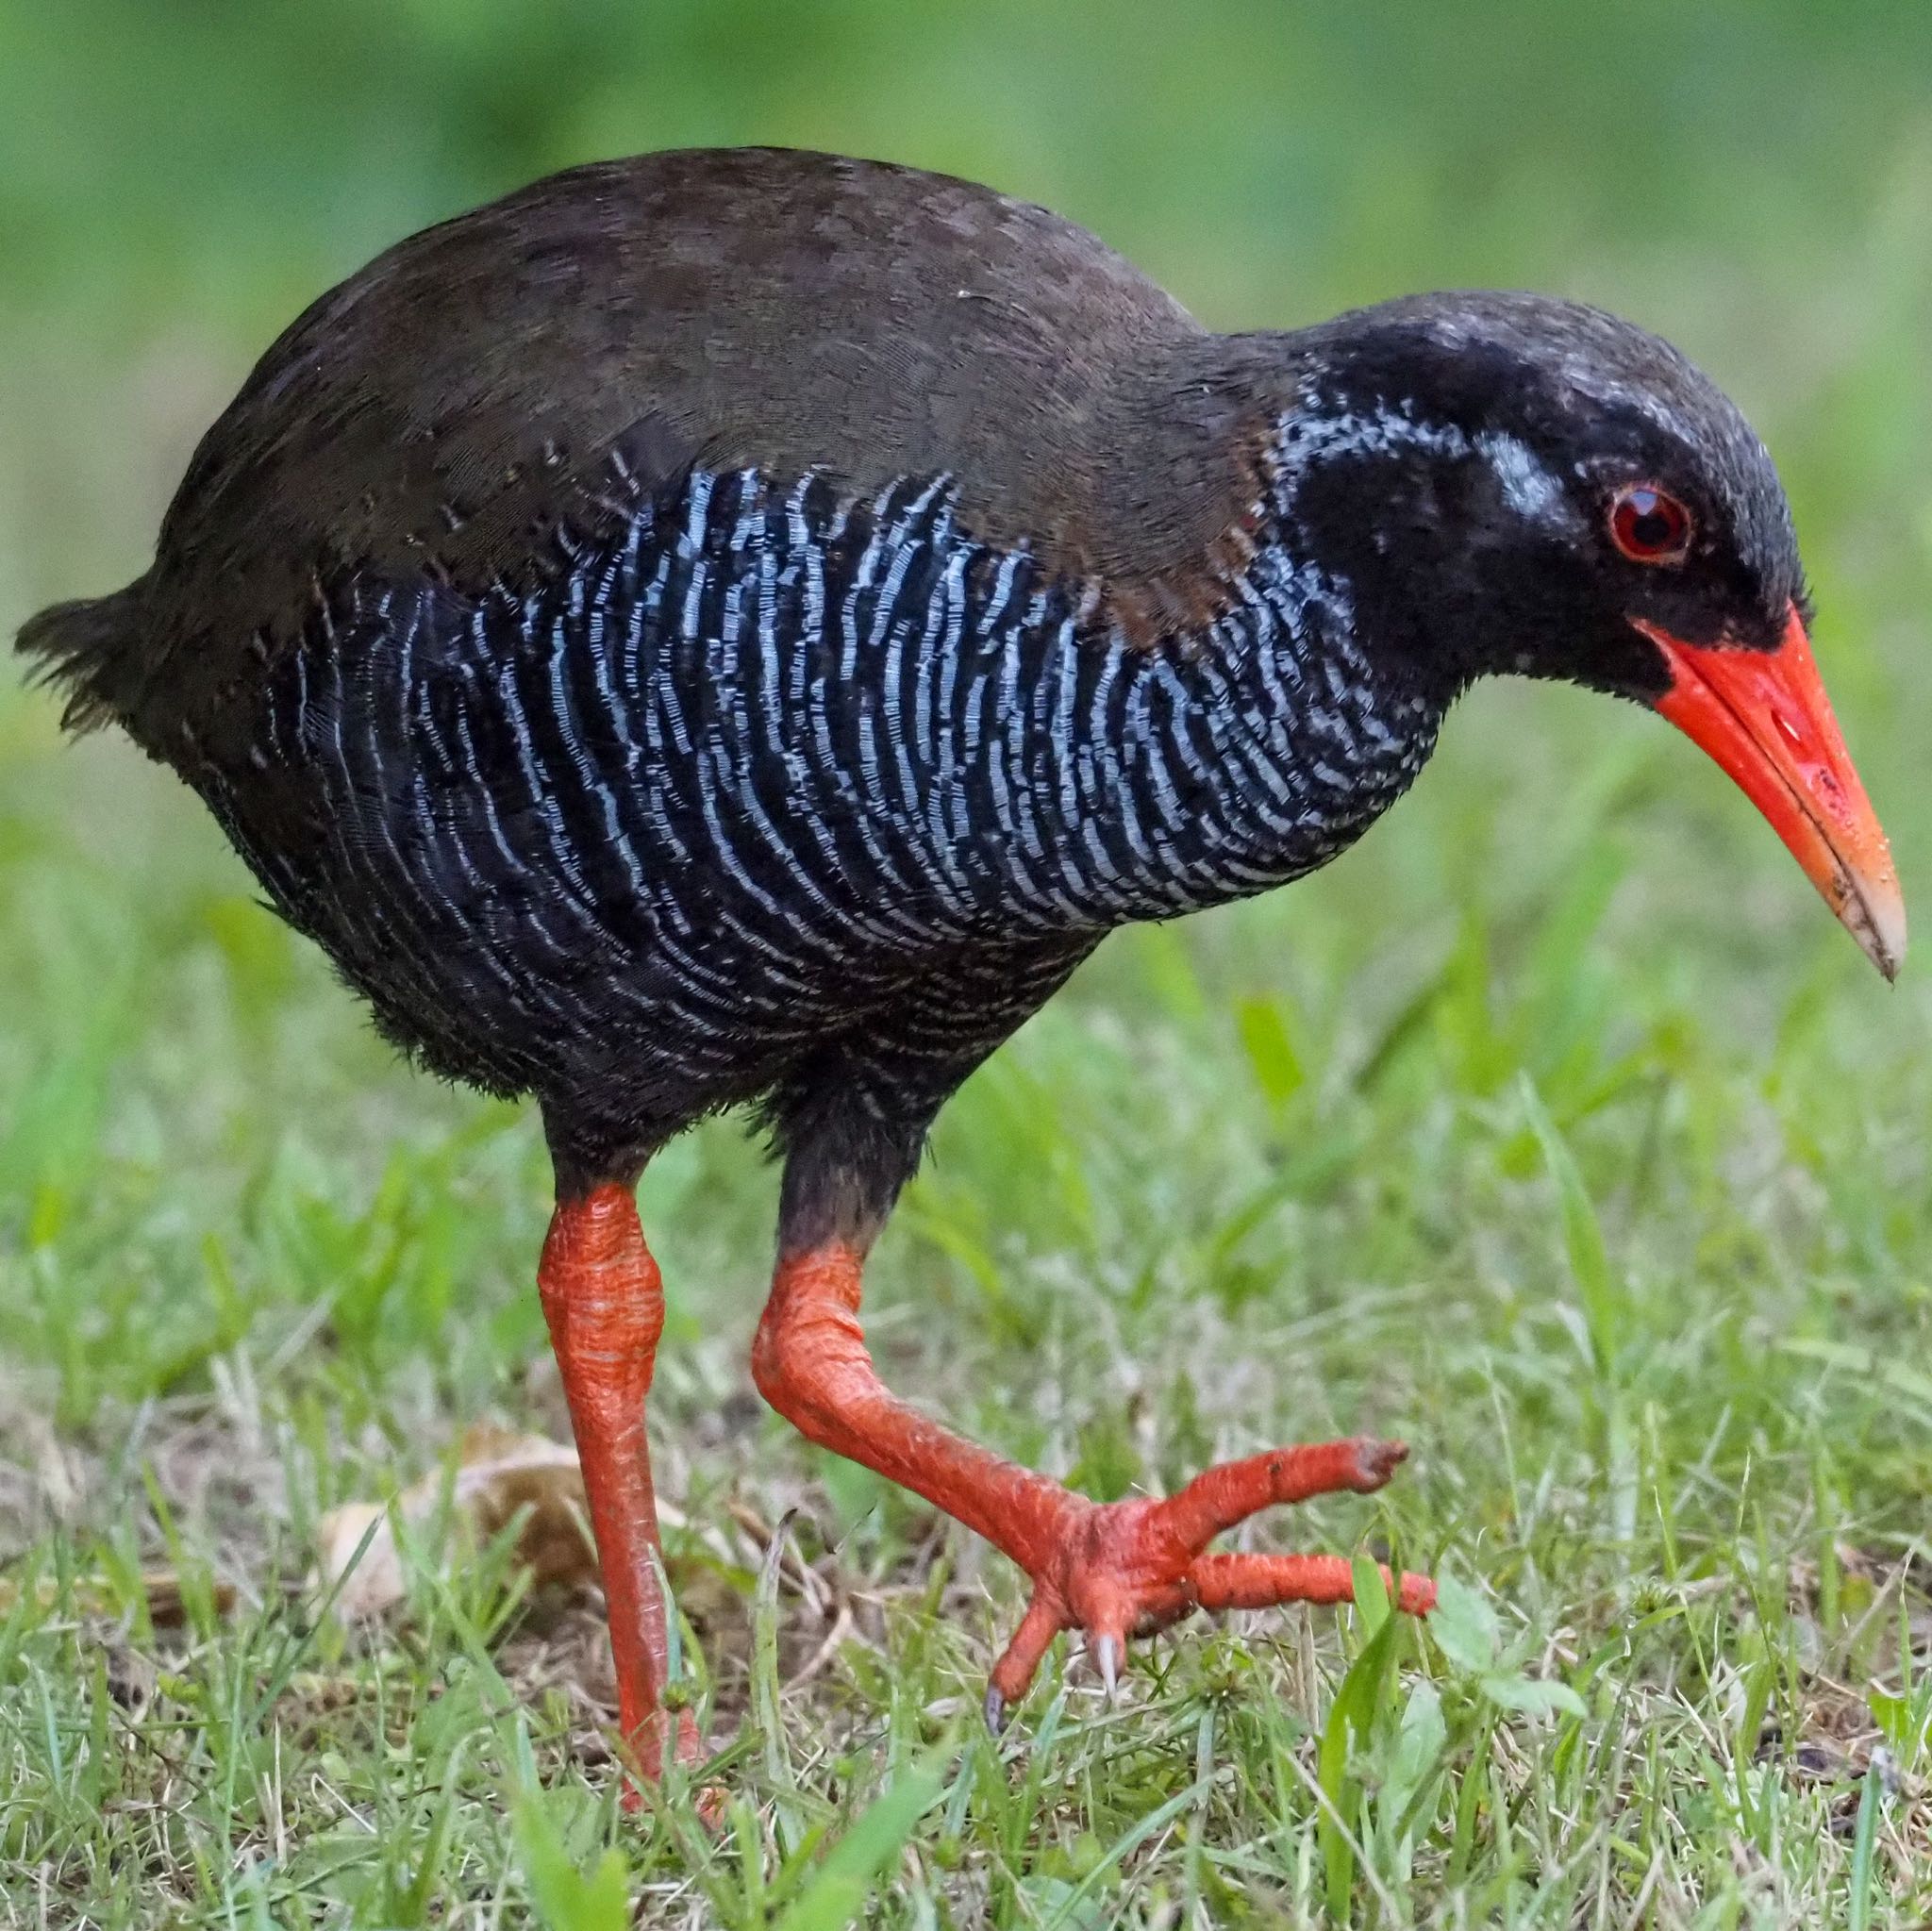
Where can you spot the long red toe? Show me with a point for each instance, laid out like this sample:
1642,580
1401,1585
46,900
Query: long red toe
1130,1568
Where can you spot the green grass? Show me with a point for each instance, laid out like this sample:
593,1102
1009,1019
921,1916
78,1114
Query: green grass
1555,1130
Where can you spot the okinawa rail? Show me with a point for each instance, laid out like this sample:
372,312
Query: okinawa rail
742,626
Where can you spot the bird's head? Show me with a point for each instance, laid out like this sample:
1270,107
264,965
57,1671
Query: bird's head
1512,484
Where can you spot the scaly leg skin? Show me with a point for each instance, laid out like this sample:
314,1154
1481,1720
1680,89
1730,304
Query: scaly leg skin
603,1300
1111,1569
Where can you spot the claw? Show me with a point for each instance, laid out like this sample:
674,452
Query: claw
1106,1659
1379,1462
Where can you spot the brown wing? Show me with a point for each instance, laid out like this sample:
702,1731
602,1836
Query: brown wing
724,307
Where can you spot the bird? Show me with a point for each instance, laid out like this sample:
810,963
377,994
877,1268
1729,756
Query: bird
737,629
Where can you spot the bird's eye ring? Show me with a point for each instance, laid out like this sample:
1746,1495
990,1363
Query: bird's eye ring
1648,526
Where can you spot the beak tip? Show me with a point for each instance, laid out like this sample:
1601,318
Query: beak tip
1875,912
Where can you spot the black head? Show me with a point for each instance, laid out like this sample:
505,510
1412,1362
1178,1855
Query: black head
1507,483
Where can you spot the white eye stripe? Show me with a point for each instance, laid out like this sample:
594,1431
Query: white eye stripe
1528,486
1532,489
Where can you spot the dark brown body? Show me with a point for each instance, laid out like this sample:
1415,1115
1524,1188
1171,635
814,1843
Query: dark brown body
402,633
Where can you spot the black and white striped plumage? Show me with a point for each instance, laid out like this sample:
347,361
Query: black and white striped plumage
752,770
745,626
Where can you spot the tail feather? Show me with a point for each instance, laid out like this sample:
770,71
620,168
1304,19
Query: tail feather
91,649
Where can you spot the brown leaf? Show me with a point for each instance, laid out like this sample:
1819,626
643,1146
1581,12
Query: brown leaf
167,1606
497,1474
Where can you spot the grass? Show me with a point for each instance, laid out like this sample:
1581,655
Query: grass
1555,1130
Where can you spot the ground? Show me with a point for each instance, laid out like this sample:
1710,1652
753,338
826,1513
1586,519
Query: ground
1557,1130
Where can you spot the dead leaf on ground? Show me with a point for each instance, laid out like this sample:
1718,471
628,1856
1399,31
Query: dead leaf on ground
131,1679
498,1474
96,1595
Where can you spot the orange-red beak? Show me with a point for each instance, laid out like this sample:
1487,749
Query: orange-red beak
1764,717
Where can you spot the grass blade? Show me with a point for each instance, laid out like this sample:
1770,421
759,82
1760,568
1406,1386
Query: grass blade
837,1890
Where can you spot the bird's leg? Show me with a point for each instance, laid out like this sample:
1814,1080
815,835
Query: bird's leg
1112,1570
809,1361
603,1300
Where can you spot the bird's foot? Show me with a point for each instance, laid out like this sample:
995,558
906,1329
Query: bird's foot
1130,1568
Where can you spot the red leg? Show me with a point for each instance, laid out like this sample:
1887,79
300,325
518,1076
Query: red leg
1111,1569
603,1300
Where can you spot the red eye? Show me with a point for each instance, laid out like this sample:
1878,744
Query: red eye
1649,526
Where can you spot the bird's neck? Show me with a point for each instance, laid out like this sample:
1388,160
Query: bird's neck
1259,747
1253,714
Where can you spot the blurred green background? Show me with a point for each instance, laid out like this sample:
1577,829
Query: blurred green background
1271,1169
1752,182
